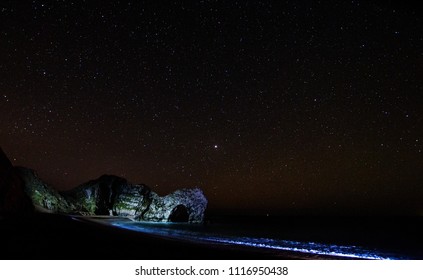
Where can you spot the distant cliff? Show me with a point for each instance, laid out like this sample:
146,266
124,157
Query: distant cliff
107,195
13,199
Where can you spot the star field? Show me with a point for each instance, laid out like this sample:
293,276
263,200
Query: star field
266,105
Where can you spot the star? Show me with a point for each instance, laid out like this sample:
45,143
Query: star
302,94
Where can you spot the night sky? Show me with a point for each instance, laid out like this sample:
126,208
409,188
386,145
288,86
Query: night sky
268,106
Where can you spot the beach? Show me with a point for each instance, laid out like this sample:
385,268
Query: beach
52,236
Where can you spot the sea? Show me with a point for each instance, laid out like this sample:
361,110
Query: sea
369,238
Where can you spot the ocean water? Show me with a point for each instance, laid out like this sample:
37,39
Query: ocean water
334,241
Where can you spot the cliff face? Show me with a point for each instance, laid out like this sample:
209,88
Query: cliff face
109,195
13,199
21,189
112,195
184,205
41,194
115,196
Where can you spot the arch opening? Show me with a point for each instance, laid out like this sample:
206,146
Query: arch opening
179,214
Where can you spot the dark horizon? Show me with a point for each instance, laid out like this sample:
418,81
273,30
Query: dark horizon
268,106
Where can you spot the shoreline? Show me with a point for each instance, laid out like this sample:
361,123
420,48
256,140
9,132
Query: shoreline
43,236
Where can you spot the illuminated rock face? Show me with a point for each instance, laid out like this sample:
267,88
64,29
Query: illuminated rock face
185,205
115,196
108,195
21,189
112,195
41,194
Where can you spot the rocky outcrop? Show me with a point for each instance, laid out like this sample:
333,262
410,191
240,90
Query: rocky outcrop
13,199
41,194
21,189
115,196
107,195
185,205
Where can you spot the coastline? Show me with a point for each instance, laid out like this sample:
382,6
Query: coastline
54,236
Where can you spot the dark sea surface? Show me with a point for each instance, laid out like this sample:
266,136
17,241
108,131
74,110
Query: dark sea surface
49,236
311,237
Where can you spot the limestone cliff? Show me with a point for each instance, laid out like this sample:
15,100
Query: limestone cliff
41,194
112,195
181,205
21,189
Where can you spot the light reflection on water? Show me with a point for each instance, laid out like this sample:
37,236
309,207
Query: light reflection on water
191,234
